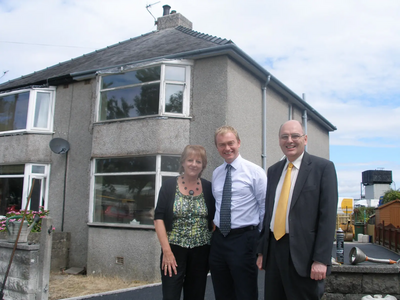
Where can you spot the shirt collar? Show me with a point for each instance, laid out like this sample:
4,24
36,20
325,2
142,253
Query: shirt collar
296,163
236,163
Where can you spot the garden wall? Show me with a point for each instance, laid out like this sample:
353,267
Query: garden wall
59,250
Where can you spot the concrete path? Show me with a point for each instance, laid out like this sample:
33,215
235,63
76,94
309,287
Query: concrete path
153,292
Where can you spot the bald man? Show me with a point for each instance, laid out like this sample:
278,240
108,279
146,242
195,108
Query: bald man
296,253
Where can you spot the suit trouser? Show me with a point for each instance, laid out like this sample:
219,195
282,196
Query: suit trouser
281,278
233,265
191,275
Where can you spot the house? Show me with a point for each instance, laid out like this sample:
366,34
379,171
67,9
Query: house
123,115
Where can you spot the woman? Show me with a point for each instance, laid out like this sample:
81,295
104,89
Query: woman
183,222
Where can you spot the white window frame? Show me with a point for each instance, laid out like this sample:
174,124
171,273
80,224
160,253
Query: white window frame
44,190
31,111
187,64
27,182
158,180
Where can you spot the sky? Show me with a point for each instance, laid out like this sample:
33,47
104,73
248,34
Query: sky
343,55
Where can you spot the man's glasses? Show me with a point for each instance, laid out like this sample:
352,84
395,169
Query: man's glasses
295,136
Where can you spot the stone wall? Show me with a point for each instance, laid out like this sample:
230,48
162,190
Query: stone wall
23,278
352,282
59,251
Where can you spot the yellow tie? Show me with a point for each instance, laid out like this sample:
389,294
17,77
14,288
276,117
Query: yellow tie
280,214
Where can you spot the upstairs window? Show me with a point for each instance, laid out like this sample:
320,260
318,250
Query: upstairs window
152,91
27,110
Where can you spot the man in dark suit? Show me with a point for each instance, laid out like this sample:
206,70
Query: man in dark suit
296,252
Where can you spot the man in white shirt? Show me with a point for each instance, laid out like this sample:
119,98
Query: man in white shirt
233,252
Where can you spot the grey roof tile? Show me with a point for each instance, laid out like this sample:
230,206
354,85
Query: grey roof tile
156,44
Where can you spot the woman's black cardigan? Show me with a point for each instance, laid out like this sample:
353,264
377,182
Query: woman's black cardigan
166,199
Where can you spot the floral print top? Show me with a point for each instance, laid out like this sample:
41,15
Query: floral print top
189,224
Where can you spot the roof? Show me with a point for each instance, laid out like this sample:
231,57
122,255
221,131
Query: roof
172,43
147,46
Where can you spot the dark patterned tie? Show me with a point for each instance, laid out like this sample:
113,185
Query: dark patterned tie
225,213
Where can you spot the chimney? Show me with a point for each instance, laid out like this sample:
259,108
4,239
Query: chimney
166,10
172,20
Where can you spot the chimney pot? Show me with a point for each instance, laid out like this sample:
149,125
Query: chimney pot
166,10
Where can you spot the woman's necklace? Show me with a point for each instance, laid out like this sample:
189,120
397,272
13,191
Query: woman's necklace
191,192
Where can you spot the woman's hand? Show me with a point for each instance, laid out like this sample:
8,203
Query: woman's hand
169,263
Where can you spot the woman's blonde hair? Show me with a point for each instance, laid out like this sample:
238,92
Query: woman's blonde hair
193,150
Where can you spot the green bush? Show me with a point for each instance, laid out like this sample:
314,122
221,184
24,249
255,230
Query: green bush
390,196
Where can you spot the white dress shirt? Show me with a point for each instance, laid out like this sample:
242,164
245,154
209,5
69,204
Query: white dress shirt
249,186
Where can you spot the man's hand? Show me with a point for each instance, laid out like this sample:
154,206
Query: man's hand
318,271
259,261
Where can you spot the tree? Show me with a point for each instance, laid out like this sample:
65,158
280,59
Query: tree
391,195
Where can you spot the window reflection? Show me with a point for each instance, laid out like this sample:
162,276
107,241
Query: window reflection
10,194
128,164
174,98
130,78
125,199
130,102
170,164
14,111
124,189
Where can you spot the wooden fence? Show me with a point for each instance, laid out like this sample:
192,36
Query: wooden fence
388,236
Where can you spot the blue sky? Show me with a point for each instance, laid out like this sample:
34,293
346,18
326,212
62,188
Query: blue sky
344,55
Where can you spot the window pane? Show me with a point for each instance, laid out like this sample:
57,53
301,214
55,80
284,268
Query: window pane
42,110
173,98
36,195
10,194
38,169
135,77
124,199
13,111
174,73
129,164
130,102
170,163
12,170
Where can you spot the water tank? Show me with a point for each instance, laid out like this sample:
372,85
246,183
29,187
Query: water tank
376,176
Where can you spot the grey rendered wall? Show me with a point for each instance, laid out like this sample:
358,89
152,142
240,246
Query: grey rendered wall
318,140
142,136
209,106
27,148
225,94
277,114
73,122
318,137
139,249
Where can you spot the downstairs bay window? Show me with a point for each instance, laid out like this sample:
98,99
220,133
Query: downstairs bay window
15,185
125,189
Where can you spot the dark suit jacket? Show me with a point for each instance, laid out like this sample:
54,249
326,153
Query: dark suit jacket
312,215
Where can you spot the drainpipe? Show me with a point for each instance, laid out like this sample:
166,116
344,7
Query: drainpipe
305,120
264,124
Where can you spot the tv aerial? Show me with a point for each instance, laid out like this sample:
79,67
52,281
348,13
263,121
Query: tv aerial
150,5
59,146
